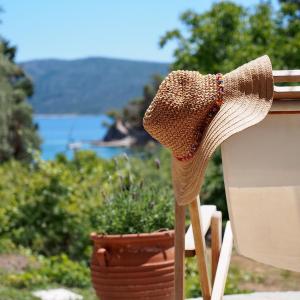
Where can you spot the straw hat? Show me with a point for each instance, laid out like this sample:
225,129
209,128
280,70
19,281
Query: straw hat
192,114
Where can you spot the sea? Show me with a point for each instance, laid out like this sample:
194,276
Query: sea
69,133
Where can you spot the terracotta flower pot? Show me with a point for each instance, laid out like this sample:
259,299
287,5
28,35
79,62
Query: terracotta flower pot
133,266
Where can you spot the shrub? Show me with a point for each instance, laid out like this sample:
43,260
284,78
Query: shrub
235,278
47,206
142,199
52,206
56,269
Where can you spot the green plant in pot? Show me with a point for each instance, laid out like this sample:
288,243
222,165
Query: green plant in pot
133,256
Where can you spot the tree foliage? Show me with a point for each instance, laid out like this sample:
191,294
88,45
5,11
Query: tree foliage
229,35
134,111
288,24
17,132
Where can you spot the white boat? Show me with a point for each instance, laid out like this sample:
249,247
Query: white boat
75,146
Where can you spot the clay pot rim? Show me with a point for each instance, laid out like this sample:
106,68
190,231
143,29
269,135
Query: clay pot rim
132,236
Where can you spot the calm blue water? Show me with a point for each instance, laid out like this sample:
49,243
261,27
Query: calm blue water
59,131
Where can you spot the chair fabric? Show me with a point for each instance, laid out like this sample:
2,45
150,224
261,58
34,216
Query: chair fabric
262,181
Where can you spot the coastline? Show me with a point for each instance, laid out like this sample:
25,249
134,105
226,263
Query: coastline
118,135
126,142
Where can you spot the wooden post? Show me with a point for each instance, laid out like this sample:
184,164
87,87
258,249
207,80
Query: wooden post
216,241
223,265
200,248
179,251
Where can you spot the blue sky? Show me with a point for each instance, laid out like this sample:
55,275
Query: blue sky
71,29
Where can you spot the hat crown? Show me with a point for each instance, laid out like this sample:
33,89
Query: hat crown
181,110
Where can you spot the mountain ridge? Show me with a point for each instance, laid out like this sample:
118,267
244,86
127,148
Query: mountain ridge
93,57
89,85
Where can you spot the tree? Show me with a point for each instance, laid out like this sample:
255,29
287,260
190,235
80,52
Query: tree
18,133
288,31
229,35
134,111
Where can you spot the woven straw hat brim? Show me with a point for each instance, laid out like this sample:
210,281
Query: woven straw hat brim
247,100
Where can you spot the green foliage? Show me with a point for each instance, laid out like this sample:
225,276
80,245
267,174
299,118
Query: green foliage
288,22
114,114
285,274
7,245
56,269
62,270
132,114
229,35
25,280
46,206
236,277
17,132
138,203
42,272
52,206
9,293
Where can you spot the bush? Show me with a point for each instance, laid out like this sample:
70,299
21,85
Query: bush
52,206
43,208
56,269
142,199
235,278
139,203
46,206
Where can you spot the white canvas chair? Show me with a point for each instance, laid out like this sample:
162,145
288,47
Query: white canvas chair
262,180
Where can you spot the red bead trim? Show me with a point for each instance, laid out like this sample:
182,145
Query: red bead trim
211,114
220,91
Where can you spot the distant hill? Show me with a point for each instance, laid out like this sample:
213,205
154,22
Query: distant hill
87,86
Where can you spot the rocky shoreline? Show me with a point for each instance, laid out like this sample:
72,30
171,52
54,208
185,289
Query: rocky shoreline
121,134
